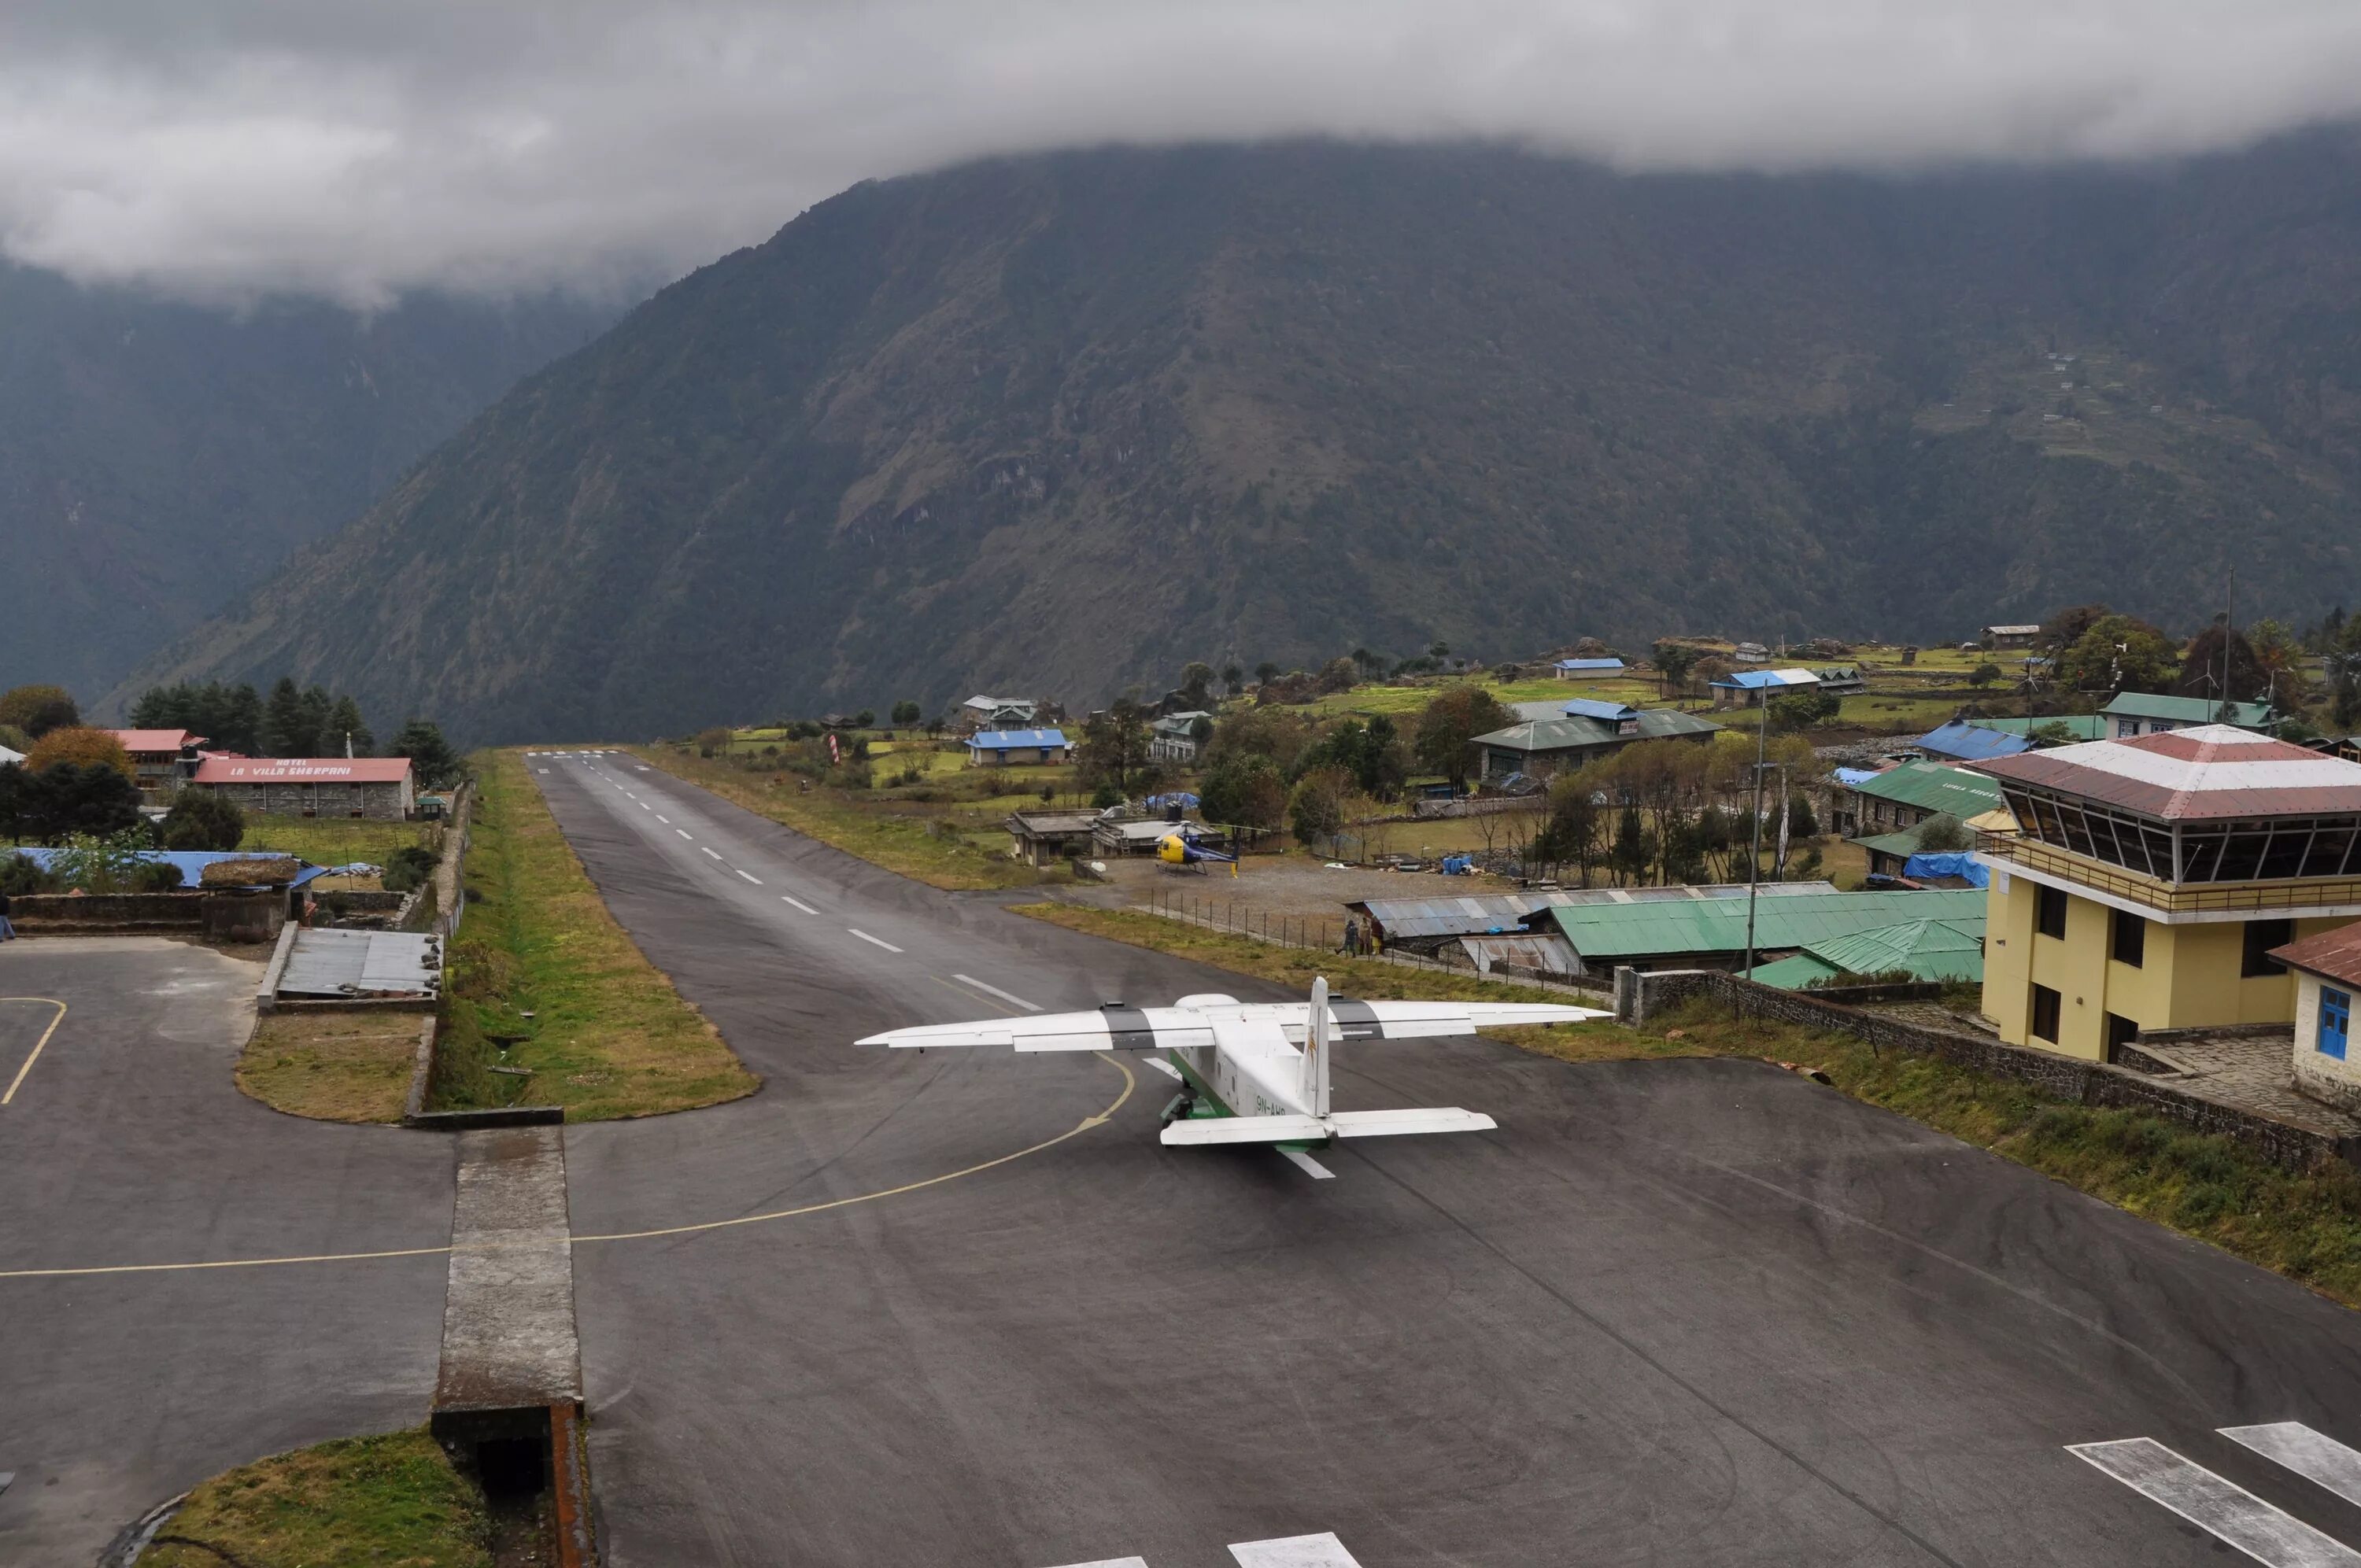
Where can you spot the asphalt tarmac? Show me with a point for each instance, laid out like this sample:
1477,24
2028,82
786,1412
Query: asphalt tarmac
125,1142
1675,1312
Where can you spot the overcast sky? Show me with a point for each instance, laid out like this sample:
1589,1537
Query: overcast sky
357,151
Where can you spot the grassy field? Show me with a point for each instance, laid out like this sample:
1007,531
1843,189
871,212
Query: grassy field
942,845
2306,1226
393,1500
337,840
331,1067
607,1034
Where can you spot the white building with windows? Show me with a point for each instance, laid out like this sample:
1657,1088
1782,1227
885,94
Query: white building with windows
2327,978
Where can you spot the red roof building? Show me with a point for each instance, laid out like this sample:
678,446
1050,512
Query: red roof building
162,760
377,788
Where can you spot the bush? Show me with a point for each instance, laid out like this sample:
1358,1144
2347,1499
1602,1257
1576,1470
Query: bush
83,747
37,710
202,819
21,874
156,876
407,868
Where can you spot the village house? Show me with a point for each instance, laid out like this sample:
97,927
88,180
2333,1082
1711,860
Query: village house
981,712
1749,653
1581,731
2327,975
1174,738
1843,680
1004,748
162,760
2017,636
1749,688
2153,880
1862,803
1046,838
1586,669
379,788
2147,713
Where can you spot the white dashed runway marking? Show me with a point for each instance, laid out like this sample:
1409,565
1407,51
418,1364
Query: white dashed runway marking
996,991
749,877
1306,1164
878,940
702,850
798,902
684,833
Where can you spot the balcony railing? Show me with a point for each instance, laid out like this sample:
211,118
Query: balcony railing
2169,898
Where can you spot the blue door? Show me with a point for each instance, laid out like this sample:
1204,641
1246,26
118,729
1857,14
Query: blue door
2335,1021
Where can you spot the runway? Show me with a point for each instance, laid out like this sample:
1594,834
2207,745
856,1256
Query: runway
1676,1311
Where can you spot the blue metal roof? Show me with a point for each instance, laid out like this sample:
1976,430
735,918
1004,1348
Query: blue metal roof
1757,680
1015,739
1612,712
1590,663
1972,742
192,863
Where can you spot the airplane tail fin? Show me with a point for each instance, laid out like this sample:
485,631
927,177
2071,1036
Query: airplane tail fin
1318,1032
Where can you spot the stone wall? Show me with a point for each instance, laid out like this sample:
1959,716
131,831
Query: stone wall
63,913
1639,998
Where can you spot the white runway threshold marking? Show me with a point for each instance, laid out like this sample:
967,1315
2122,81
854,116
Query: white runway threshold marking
867,937
1321,1550
996,991
1314,1169
799,904
755,880
2313,1455
2220,1508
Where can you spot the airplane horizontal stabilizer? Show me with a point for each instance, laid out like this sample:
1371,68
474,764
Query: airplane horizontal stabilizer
1385,1123
1247,1130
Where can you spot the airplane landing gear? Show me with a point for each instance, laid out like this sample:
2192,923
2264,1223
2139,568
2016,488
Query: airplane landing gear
1179,1108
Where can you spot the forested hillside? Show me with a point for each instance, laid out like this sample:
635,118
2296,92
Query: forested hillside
1059,424
157,458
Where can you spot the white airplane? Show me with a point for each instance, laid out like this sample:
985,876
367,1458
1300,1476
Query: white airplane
1254,1072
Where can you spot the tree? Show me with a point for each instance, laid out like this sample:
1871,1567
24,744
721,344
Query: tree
86,747
2065,627
906,713
1371,754
1246,791
1367,662
2057,732
1802,709
2118,653
866,719
288,729
345,726
1114,748
1455,717
1265,672
1233,679
204,820
421,741
2200,668
1676,662
67,798
1634,850
14,740
37,710
1338,676
1984,674
1315,808
1197,683
1575,823
1943,834
319,708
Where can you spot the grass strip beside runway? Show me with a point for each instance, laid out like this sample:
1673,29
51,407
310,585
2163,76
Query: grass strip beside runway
609,1035
934,846
2304,1225
331,1067
393,1499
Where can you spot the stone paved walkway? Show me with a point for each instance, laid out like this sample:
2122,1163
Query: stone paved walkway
2254,1074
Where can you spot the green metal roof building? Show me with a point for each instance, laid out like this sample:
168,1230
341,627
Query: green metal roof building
2082,726
1539,747
1924,950
1711,933
2147,713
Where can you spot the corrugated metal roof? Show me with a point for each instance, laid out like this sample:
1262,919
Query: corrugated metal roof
1541,950
362,963
1758,680
1573,734
1612,712
301,770
2187,709
1972,742
2205,772
1719,925
151,740
1015,739
1930,786
1475,914
1590,663
2336,953
2082,726
2014,630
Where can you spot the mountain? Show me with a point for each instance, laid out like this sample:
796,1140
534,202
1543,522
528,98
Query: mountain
157,458
1059,424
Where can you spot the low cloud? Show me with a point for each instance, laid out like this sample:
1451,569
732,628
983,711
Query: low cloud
356,151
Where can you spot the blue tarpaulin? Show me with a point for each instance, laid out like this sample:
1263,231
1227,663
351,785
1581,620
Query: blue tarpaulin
192,863
1958,864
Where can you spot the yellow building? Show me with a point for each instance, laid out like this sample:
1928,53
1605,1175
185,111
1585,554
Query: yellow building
2150,878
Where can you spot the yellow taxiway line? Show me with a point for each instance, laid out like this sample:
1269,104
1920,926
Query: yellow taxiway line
1130,1082
54,1022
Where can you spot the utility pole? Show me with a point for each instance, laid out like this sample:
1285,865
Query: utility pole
1754,859
2229,618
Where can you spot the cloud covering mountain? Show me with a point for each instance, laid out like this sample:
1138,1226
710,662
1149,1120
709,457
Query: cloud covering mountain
355,150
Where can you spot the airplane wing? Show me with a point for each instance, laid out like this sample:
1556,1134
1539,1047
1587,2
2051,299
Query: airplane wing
1104,1029
1426,1020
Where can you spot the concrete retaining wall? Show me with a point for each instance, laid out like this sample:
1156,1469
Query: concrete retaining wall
1639,998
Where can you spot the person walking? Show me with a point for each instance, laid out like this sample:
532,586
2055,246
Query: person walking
1353,938
7,932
